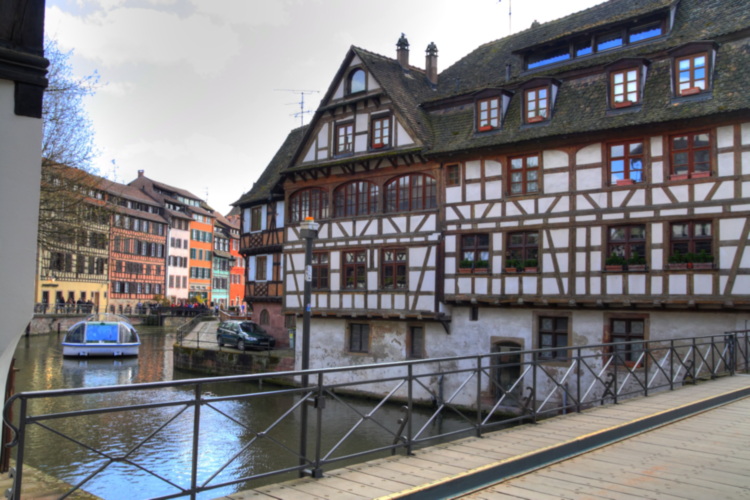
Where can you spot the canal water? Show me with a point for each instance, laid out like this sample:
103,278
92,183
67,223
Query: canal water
228,429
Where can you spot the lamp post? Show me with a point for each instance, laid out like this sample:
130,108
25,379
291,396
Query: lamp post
309,231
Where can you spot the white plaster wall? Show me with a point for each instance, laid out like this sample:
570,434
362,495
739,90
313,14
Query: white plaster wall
402,136
725,136
20,171
493,168
453,194
589,154
590,178
473,169
553,158
556,183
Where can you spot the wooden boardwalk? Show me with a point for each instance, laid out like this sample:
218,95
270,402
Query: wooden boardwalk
701,455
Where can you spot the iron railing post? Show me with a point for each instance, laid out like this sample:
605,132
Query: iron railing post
410,405
196,434
646,355
695,364
533,386
319,406
614,381
730,340
479,397
578,381
713,357
18,479
671,365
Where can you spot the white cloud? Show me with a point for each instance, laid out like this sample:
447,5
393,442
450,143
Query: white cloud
136,35
247,12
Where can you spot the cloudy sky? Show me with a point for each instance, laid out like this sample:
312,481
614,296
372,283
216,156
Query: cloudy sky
201,93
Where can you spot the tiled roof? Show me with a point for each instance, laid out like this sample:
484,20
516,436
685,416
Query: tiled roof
581,105
263,189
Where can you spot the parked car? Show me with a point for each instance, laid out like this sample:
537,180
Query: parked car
243,335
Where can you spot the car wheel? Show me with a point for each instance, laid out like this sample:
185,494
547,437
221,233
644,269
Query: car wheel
220,342
241,345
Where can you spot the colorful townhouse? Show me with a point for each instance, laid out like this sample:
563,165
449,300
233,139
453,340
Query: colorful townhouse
237,269
138,249
261,244
579,182
189,240
222,261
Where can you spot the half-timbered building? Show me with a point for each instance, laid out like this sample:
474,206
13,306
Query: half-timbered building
263,219
582,181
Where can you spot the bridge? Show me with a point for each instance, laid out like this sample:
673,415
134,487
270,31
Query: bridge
453,436
681,444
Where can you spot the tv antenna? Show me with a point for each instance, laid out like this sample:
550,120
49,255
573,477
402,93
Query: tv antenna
302,111
510,28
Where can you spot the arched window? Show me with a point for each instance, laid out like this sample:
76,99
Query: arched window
355,198
357,81
264,317
311,202
410,192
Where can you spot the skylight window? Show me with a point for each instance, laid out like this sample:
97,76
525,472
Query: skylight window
551,57
645,32
588,44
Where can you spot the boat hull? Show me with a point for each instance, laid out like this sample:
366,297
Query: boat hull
100,350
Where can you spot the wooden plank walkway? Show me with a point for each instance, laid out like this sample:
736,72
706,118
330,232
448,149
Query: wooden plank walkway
702,456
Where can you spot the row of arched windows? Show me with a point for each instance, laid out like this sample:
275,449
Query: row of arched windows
403,194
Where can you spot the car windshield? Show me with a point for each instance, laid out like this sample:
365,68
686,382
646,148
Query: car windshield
251,328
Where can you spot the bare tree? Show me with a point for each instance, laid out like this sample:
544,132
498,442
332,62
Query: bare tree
73,213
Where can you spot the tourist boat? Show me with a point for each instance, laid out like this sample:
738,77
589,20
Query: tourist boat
102,335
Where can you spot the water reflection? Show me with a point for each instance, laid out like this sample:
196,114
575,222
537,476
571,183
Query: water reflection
237,438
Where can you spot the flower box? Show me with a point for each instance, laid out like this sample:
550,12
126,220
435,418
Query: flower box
691,91
378,145
536,119
530,269
485,128
677,266
465,270
632,364
637,268
699,175
481,270
702,265
511,269
625,182
614,268
678,177
624,104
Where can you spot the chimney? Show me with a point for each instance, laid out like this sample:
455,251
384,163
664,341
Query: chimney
402,51
431,63
140,173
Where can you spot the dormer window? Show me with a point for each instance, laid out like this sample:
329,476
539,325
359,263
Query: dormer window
488,114
357,81
692,74
692,67
536,104
626,79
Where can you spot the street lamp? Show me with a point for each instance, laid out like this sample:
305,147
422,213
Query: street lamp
309,231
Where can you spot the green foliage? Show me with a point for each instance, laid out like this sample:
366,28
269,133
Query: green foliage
636,259
530,263
615,260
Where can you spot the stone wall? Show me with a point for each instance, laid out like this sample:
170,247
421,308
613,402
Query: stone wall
231,362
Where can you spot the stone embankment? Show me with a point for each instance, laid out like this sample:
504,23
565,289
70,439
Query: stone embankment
199,352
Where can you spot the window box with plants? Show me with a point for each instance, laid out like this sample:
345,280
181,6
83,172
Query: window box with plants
677,261
481,267
615,263
466,266
703,260
636,263
513,266
530,266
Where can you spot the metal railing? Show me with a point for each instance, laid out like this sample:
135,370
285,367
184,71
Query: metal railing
478,393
